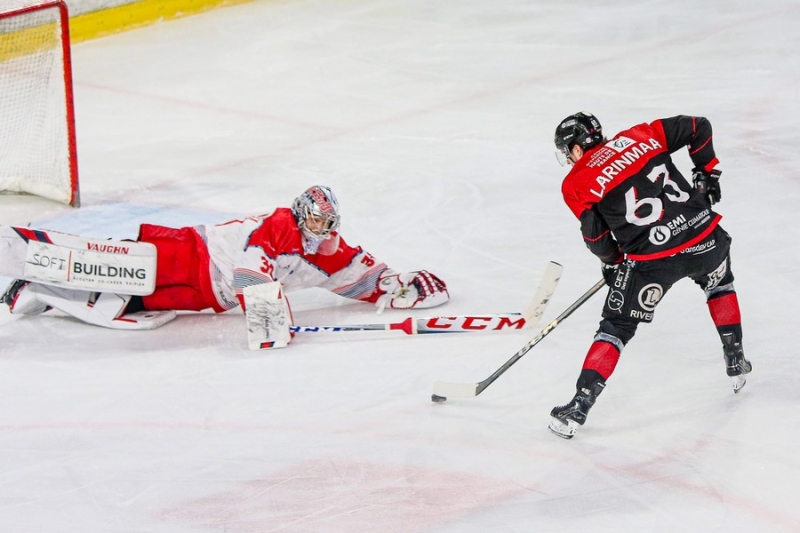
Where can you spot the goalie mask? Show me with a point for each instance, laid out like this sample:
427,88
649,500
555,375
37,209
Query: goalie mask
317,214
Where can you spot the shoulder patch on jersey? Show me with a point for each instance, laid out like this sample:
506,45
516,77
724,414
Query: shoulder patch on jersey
620,143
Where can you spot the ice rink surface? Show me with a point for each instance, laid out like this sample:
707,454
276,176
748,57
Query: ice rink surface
433,122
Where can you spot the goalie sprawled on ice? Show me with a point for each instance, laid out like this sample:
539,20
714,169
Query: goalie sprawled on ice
250,263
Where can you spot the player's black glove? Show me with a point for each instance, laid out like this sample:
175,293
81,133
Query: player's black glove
609,272
707,184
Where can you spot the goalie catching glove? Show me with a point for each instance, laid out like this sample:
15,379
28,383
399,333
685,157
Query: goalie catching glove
407,290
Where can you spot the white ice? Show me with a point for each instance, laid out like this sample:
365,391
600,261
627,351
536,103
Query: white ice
433,122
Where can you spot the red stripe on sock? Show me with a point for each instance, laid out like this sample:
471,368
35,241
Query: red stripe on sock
602,358
725,310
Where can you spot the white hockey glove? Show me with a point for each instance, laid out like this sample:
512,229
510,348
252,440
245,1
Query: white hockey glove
406,290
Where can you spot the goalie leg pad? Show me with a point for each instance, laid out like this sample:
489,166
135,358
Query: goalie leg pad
268,316
99,309
75,262
21,301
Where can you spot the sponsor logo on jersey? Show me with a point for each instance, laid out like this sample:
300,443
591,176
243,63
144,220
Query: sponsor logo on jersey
621,143
701,248
622,276
700,218
649,297
639,315
660,235
715,277
600,156
629,154
615,300
679,224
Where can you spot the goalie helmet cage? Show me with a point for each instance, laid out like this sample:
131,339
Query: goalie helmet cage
38,153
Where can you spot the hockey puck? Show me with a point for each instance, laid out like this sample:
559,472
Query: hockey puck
437,399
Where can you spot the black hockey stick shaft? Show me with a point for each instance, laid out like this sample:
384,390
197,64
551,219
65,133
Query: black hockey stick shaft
444,389
542,334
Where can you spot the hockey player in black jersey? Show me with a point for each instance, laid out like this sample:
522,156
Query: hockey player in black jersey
650,227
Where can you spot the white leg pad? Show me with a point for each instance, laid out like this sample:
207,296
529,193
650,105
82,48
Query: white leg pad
26,302
268,316
75,262
98,308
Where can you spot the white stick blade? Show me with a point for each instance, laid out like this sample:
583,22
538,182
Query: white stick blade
455,390
534,312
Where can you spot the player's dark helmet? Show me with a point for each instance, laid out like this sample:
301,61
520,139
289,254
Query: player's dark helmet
582,129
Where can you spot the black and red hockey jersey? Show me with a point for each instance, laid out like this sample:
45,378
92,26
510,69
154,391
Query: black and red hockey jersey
631,198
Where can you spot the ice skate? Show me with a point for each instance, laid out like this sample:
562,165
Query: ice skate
12,290
567,418
736,366
22,302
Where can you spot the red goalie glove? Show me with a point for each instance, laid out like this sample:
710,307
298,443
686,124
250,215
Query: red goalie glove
419,289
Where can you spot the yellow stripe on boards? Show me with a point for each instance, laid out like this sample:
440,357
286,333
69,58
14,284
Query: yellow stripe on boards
29,41
138,14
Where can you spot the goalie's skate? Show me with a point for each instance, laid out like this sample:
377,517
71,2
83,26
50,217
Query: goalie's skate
23,302
11,291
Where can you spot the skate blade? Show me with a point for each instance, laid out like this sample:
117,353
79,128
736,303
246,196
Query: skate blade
738,382
560,429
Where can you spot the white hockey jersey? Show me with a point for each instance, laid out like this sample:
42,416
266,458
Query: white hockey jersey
269,247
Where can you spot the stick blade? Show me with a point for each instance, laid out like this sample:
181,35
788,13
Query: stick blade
533,313
455,390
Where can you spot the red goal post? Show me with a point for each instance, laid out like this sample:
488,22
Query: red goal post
38,153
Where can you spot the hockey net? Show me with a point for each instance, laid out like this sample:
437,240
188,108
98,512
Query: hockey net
37,123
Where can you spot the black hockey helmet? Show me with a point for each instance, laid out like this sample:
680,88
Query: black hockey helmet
582,129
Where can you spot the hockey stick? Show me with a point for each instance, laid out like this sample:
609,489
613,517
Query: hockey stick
460,324
443,389
547,286
435,324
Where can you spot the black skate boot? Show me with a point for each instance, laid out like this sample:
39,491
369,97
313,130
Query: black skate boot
11,292
567,418
736,365
21,301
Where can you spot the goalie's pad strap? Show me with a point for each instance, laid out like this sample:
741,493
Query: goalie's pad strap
268,316
74,262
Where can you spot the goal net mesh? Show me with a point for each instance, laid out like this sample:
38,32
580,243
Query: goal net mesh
37,140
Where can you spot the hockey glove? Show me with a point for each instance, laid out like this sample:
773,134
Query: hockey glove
408,290
707,184
609,272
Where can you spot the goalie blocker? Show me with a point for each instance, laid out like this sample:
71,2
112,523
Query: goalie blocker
268,316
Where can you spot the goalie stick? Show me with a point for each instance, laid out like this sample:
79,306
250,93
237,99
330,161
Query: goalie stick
444,389
466,323
435,324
